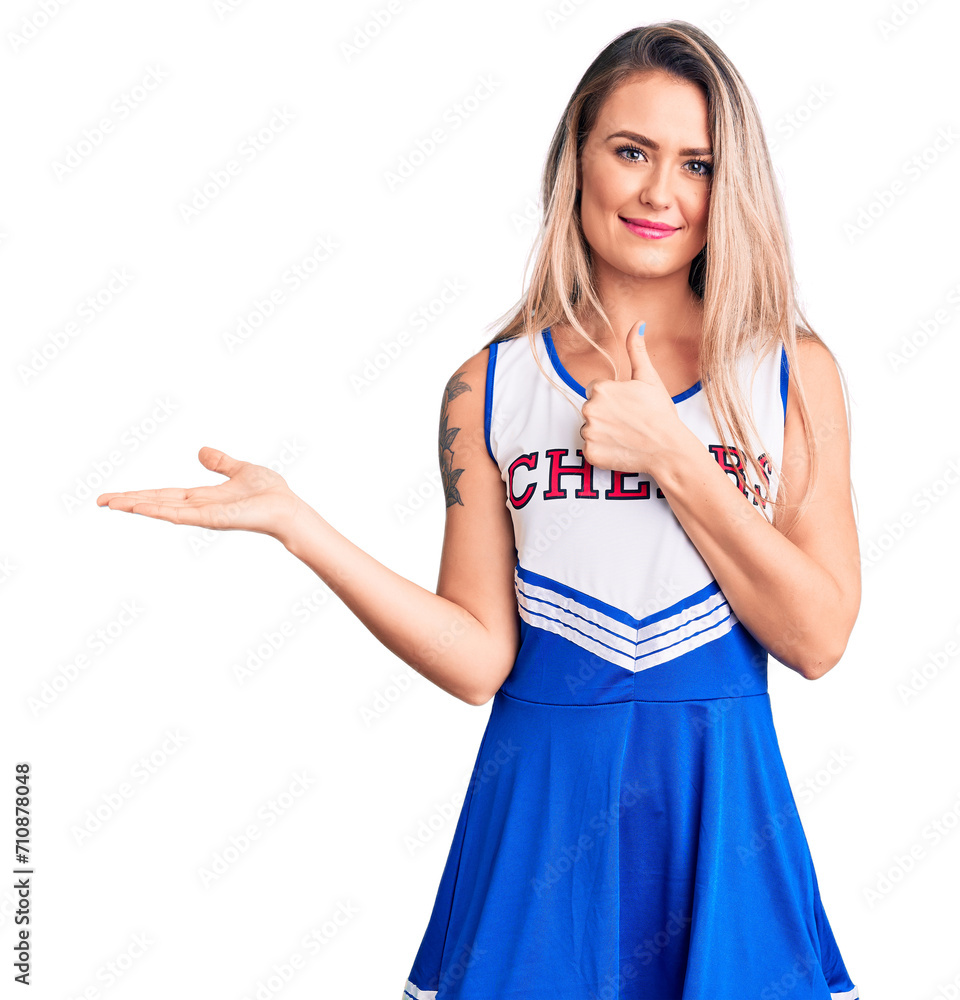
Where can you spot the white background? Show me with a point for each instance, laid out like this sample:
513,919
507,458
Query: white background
872,772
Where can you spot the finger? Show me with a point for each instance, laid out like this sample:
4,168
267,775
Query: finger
219,461
161,511
641,367
170,493
190,498
208,516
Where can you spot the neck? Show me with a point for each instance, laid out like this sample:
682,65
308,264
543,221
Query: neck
668,306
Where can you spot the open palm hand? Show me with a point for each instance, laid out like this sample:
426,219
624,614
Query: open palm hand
254,498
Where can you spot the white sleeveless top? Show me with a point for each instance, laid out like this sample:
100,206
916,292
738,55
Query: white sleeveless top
601,558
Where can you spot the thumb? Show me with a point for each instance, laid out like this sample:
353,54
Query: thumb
641,367
218,461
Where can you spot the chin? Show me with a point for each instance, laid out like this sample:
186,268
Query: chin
654,265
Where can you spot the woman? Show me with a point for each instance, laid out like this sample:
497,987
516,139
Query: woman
620,556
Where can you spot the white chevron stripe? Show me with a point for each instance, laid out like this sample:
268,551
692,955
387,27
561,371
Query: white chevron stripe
543,612
616,642
412,991
697,612
574,613
709,629
549,625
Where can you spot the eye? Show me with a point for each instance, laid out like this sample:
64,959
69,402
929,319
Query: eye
631,149
707,168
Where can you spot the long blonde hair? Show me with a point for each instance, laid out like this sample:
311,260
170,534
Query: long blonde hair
744,275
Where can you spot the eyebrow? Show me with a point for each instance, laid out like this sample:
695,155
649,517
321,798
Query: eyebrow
655,146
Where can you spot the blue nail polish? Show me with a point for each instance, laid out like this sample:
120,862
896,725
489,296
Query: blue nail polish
640,331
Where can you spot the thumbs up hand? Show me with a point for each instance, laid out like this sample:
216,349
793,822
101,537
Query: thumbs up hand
628,425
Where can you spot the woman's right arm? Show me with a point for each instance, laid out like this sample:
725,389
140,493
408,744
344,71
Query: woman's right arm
464,637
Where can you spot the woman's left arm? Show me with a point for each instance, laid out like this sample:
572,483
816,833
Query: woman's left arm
794,584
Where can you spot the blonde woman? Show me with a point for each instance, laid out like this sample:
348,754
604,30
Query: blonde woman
648,491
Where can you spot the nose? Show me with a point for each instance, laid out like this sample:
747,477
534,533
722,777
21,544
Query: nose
655,188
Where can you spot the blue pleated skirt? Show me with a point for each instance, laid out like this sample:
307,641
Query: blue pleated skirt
638,850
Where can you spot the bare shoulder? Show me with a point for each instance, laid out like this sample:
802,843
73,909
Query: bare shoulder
816,370
470,376
462,431
818,367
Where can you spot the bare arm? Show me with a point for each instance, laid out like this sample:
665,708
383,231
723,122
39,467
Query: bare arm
794,585
464,637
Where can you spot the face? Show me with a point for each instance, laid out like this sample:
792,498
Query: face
647,160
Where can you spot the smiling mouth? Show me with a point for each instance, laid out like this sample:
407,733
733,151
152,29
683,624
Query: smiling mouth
648,224
647,229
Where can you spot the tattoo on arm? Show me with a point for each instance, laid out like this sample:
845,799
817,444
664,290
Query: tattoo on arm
449,474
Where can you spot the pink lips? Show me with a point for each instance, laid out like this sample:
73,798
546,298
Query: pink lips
648,229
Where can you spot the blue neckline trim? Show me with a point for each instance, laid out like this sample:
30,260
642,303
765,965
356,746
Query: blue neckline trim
488,400
784,378
547,335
